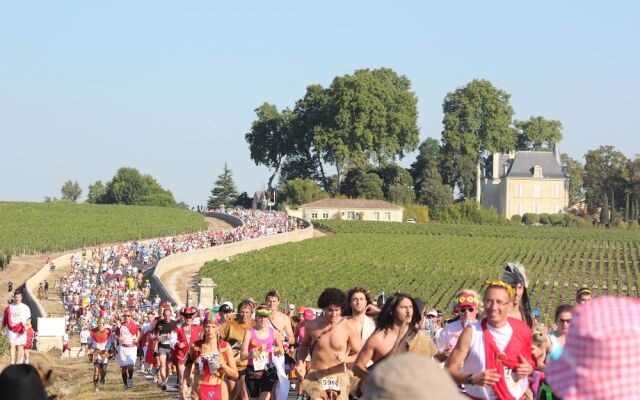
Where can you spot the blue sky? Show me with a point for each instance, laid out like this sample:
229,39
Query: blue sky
170,88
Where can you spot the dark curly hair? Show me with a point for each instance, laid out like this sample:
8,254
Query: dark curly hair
332,297
351,292
386,317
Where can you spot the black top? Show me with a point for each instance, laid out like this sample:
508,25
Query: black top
163,330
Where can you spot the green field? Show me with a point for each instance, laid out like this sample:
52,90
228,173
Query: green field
27,228
432,261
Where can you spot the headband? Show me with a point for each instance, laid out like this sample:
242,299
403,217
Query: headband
469,298
498,283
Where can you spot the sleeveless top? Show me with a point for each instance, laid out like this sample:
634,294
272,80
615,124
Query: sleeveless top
260,349
204,362
556,347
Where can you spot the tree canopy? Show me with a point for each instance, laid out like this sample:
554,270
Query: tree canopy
538,134
606,173
71,191
477,121
224,193
367,117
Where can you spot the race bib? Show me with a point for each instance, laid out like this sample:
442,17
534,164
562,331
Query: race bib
516,386
127,337
260,361
165,338
330,383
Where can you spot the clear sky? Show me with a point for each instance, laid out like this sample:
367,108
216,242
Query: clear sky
170,87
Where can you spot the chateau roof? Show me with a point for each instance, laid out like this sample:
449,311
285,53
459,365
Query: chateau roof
351,203
523,163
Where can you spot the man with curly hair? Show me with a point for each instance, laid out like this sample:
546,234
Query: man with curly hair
332,342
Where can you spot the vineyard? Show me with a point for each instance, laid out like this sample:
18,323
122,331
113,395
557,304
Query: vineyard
27,228
433,261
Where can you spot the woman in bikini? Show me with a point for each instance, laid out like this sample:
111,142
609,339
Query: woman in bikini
100,343
213,360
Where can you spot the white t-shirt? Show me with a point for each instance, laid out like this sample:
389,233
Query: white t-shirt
475,362
84,336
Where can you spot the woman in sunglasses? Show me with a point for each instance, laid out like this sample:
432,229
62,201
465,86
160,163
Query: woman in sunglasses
559,337
466,305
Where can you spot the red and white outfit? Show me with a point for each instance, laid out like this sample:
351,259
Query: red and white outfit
128,350
100,342
15,319
505,344
181,353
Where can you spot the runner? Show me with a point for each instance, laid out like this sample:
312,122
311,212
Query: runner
163,330
495,353
284,331
15,320
29,343
396,332
66,345
359,305
514,274
233,332
332,341
559,336
85,333
187,334
466,305
583,296
100,344
259,346
127,335
213,360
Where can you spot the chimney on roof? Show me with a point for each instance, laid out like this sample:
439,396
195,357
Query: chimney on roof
556,152
495,173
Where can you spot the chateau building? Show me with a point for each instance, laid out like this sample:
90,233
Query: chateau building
524,182
350,209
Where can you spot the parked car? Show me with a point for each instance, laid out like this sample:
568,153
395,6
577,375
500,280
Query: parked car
411,220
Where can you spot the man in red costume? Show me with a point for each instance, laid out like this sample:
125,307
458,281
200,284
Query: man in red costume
495,353
127,335
15,320
187,333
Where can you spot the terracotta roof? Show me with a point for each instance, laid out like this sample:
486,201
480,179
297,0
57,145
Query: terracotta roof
351,203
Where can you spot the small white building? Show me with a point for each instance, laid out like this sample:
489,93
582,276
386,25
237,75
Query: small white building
351,209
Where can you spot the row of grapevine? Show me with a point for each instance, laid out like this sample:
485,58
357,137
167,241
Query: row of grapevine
433,264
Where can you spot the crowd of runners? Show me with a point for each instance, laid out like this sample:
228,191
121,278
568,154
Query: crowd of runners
490,343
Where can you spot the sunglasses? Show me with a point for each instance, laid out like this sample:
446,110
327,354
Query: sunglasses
466,310
127,315
565,321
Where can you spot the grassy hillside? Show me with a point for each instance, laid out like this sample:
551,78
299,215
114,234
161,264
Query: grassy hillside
41,227
433,261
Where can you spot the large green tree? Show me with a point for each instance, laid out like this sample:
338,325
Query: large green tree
97,193
606,173
428,152
300,191
369,186
71,191
224,193
270,138
369,117
575,170
130,187
433,192
538,134
477,121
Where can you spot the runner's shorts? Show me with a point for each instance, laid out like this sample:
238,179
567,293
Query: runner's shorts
127,355
17,339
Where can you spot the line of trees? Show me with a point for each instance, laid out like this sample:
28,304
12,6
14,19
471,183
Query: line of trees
361,124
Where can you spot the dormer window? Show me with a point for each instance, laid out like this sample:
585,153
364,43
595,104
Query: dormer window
537,171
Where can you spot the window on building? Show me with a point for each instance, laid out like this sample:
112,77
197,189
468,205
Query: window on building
520,190
536,190
351,215
314,215
387,216
537,171
325,215
520,209
538,208
556,191
376,216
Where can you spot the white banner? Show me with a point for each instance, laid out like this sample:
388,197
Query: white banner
51,326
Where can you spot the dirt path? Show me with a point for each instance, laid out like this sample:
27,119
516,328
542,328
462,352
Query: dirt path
19,270
216,224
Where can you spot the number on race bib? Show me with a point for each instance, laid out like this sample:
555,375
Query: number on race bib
260,361
330,383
